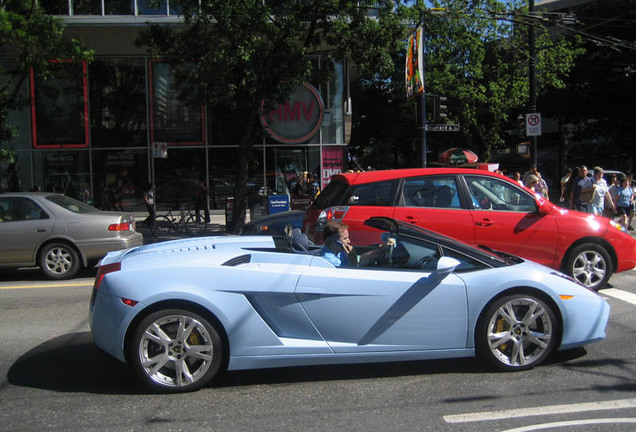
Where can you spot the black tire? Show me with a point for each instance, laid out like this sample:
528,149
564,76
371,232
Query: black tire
590,264
506,342
59,261
193,226
163,225
198,353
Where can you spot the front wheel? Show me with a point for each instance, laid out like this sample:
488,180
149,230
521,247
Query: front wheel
175,350
590,264
516,332
59,261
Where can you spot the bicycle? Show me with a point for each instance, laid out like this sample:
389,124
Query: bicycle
184,222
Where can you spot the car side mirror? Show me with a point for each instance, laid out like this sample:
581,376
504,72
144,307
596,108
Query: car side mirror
544,207
445,266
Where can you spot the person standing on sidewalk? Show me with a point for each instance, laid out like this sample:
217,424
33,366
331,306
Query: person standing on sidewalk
149,199
624,203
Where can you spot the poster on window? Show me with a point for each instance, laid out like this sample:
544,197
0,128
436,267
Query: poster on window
173,120
332,163
60,108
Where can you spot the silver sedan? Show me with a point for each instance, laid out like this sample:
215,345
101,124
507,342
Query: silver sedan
58,233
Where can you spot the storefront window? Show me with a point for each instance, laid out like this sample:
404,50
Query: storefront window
18,119
60,109
64,171
177,178
293,171
121,177
118,103
173,120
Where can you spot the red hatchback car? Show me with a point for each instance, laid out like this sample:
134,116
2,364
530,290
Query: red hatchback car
479,208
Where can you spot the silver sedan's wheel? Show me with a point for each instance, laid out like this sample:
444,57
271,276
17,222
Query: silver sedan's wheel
516,332
59,261
176,351
590,264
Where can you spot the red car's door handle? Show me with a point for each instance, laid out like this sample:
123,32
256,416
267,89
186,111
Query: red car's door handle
485,222
411,219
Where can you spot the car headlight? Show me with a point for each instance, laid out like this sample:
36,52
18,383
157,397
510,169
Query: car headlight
616,225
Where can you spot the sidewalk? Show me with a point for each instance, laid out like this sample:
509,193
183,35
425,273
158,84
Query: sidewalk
215,227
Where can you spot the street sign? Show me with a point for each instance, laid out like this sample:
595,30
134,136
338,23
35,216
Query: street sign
442,127
533,124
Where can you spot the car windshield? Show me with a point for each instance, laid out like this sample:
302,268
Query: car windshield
71,204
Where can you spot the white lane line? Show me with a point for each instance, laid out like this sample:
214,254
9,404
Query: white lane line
539,411
620,294
572,423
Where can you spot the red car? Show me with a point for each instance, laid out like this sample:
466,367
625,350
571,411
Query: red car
479,208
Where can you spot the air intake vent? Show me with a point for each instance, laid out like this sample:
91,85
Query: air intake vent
243,259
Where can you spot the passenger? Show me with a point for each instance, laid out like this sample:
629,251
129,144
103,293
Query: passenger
339,251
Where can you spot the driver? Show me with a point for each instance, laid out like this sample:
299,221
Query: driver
339,251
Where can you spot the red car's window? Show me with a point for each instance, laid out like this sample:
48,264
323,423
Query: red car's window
380,194
331,195
493,194
431,191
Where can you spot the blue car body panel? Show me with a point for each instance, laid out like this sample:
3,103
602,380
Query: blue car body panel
284,309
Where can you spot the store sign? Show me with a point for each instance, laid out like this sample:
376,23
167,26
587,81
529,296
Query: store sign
296,120
332,163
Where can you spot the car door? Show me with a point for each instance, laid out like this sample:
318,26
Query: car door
433,202
378,310
23,228
506,218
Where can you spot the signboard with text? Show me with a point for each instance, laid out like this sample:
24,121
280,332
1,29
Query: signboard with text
533,124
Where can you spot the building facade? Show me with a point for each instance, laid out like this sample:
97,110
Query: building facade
104,131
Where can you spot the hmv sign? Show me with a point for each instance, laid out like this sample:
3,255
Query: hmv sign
296,120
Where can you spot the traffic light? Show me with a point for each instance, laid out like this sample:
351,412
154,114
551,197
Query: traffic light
521,125
441,108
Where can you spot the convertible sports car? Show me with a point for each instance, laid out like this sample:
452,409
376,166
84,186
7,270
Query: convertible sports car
181,312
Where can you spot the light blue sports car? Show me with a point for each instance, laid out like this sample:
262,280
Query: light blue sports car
181,312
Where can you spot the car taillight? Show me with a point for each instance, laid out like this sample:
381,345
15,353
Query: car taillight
103,271
332,213
124,226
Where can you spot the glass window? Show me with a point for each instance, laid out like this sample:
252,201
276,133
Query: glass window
60,110
145,7
63,171
372,194
54,7
119,7
71,204
177,178
121,177
20,209
431,191
493,194
173,119
466,263
87,7
118,103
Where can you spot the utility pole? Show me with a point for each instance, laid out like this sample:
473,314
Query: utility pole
532,53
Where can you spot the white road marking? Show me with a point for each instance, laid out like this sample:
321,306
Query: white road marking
620,294
572,423
539,411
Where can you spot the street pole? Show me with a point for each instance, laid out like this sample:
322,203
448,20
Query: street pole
532,52
423,98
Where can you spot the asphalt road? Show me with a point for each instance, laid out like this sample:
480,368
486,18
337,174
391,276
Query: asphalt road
53,378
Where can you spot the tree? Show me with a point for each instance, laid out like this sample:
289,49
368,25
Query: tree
28,38
476,55
242,52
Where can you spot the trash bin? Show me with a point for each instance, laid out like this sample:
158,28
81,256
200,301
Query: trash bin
277,204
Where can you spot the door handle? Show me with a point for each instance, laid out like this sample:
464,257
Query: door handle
411,219
485,222
40,230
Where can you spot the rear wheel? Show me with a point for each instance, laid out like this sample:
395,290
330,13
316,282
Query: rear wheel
590,264
516,332
59,261
163,224
176,350
192,225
